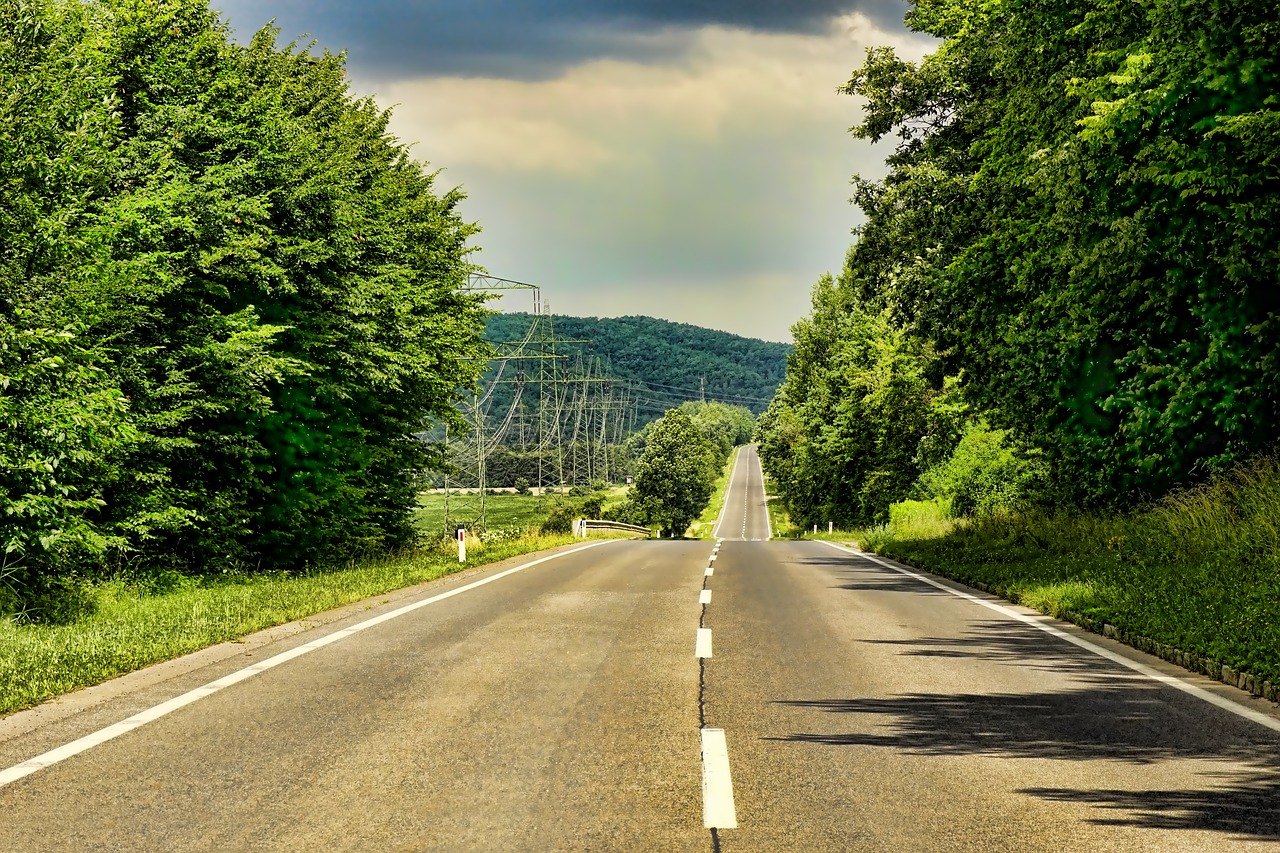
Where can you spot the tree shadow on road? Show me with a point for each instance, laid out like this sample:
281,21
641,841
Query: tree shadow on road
861,575
1249,806
1132,722
1008,642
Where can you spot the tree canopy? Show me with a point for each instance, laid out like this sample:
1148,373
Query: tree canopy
227,297
1079,228
676,473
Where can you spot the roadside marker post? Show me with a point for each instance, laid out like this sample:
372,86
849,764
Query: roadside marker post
462,544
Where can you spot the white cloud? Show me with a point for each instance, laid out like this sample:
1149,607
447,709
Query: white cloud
712,189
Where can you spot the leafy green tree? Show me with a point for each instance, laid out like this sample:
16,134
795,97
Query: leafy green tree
61,426
1081,216
676,474
266,291
724,426
844,436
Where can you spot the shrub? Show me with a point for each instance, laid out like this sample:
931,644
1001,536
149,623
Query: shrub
985,475
560,517
593,506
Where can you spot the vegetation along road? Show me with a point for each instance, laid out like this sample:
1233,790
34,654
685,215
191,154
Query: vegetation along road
662,695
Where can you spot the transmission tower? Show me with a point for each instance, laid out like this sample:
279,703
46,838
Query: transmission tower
577,413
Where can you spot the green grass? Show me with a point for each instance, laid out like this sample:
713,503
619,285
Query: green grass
907,520
127,628
1198,571
779,519
503,510
702,528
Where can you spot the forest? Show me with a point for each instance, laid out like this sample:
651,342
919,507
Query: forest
1066,290
227,299
668,363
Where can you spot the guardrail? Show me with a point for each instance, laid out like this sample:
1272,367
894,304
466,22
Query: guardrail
582,525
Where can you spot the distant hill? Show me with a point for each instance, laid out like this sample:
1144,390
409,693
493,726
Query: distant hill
674,362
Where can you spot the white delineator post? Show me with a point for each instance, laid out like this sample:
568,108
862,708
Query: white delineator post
462,544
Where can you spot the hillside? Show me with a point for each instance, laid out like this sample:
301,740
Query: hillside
673,362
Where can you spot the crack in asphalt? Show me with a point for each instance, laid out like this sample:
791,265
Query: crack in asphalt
702,696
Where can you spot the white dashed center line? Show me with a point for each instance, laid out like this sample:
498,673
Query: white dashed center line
702,648
718,811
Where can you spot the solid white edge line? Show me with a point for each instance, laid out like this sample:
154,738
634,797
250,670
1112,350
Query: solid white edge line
704,596
764,501
75,747
728,490
718,811
702,646
1138,667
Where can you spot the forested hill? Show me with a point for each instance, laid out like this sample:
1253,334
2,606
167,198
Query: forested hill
669,359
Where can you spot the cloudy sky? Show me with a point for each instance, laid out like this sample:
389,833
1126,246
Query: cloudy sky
685,159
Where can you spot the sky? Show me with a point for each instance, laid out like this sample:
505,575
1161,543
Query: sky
682,159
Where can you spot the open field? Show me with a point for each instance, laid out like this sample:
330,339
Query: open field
503,510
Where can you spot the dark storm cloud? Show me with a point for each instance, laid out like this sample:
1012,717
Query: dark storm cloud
533,39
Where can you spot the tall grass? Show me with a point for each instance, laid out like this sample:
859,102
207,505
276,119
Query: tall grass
1198,571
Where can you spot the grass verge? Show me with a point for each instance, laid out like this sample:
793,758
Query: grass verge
1194,578
128,628
780,524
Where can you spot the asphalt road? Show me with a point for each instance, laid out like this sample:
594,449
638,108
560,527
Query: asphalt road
744,517
563,707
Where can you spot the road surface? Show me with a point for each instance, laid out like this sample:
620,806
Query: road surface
838,704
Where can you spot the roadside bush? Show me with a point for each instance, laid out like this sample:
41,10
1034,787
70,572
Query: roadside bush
593,506
911,519
628,512
985,475
502,535
560,516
